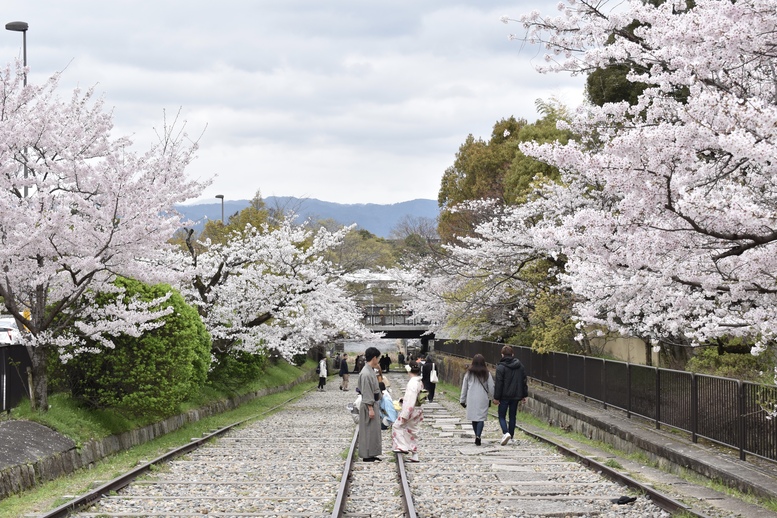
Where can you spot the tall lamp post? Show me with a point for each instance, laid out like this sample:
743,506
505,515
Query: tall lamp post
221,197
22,27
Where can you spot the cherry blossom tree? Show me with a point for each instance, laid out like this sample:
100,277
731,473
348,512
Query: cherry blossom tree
271,288
484,284
78,209
671,212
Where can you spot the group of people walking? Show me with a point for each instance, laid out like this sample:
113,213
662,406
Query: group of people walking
479,389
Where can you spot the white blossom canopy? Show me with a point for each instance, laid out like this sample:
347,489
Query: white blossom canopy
271,288
669,222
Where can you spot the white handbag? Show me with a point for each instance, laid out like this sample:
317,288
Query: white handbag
433,375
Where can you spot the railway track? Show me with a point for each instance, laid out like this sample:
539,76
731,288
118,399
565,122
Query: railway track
300,461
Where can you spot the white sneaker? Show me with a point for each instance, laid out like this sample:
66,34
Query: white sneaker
505,439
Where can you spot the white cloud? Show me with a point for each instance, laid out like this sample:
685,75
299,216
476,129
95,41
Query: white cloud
344,100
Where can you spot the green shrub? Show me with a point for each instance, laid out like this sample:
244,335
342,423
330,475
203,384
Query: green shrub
720,361
151,375
299,359
234,368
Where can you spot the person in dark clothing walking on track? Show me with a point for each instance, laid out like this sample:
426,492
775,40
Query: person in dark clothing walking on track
426,376
510,388
344,373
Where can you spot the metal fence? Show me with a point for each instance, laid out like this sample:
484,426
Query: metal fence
14,362
730,412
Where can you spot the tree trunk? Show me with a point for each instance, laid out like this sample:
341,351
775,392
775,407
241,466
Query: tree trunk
38,357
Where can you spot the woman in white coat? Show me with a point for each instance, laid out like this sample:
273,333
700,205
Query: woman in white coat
477,389
322,374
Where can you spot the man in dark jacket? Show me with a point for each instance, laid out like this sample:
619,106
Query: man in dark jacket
510,388
426,375
344,372
358,364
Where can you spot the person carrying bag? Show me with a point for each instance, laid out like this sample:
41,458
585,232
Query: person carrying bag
428,370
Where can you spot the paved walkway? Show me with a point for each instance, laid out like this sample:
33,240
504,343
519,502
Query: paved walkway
22,442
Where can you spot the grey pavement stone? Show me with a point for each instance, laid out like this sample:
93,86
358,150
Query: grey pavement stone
26,441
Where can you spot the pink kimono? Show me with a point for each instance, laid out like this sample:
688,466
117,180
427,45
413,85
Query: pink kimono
405,429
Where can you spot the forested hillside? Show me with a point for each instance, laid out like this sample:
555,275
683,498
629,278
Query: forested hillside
377,219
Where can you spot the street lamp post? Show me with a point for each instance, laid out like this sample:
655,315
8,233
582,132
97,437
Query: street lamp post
22,27
221,197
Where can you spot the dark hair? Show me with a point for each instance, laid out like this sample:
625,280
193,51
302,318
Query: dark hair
370,353
415,367
382,386
478,367
507,350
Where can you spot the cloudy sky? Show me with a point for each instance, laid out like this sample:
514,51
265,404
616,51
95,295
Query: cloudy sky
349,101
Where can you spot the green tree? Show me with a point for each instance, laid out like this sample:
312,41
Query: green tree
730,357
609,85
477,173
414,238
257,214
498,170
525,171
362,250
233,368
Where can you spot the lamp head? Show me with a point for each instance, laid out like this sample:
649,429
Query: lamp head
17,26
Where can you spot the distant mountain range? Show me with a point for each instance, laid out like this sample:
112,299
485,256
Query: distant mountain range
377,219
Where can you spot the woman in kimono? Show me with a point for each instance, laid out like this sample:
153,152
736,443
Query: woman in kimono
404,434
370,445
477,389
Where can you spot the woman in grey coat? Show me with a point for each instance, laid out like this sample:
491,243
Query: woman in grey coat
477,389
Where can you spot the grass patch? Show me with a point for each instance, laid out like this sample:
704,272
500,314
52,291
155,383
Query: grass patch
67,417
717,485
82,424
639,457
49,495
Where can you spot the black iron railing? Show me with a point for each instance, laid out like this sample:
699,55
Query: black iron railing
14,386
730,412
376,315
